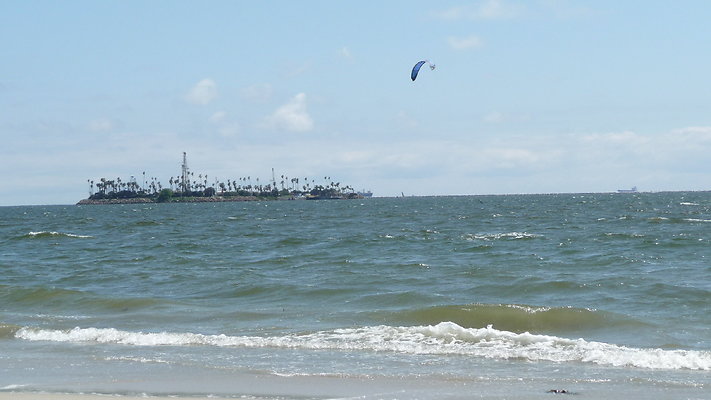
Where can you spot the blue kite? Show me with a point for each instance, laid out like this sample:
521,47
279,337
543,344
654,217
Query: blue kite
416,68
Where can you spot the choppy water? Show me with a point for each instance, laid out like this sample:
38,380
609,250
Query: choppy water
492,293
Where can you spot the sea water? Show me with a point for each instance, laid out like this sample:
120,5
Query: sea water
597,295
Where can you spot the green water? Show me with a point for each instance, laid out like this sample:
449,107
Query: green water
490,290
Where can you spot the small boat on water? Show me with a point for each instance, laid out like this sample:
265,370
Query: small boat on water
365,193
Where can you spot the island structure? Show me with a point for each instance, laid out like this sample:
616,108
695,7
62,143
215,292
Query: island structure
186,188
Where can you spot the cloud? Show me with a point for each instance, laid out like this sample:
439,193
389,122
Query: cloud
103,125
346,53
514,157
202,93
488,9
506,10
498,117
225,127
218,117
259,93
702,133
464,43
670,150
406,120
494,117
296,68
625,138
292,116
565,9
229,129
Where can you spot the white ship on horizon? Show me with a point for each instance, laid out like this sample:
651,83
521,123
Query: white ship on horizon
632,190
365,193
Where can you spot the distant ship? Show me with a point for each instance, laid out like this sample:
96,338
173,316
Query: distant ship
633,190
365,193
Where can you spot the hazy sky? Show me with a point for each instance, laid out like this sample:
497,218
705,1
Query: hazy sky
532,96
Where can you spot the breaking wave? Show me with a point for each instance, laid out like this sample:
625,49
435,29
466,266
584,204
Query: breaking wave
514,317
46,234
502,236
446,338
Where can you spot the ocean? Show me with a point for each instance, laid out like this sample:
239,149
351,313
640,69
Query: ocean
518,297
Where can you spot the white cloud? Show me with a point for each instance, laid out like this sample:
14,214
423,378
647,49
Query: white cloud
702,133
625,138
498,117
229,129
259,93
514,157
292,116
661,150
202,93
296,68
494,117
488,9
225,127
507,9
565,9
346,53
464,43
218,117
102,125
406,120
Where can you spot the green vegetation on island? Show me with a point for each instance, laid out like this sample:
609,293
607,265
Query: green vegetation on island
189,188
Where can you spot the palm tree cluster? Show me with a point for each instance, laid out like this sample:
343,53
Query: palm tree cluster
191,187
119,189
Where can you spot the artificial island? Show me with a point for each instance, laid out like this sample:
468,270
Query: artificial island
191,189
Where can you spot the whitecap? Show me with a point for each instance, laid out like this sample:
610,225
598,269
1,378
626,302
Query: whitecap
12,387
501,236
58,234
446,338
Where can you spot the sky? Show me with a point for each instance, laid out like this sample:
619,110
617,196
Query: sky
538,96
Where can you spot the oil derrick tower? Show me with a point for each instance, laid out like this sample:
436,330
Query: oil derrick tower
185,176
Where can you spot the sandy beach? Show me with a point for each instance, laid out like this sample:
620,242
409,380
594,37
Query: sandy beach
338,387
53,396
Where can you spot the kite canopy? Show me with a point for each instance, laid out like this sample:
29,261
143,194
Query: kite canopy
416,68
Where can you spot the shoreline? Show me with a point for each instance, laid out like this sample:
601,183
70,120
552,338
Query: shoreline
90,396
213,199
145,200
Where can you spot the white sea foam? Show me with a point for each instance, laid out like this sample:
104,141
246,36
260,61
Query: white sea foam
12,387
446,338
48,233
529,309
142,360
499,236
